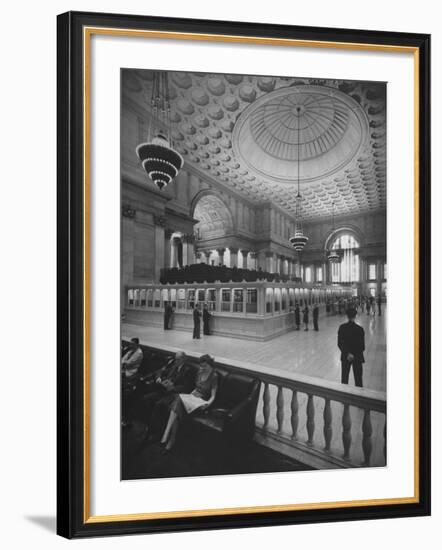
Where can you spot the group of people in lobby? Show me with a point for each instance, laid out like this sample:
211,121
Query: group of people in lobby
306,316
197,314
363,303
166,396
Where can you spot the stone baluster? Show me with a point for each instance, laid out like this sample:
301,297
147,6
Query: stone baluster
310,418
328,431
367,431
295,417
280,408
346,430
266,405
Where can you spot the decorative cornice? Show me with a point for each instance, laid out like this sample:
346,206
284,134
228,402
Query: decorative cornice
189,238
159,220
128,211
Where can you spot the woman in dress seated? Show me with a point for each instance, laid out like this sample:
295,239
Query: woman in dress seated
201,398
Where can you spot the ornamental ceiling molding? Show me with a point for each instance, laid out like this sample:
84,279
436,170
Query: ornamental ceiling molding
206,108
212,182
333,130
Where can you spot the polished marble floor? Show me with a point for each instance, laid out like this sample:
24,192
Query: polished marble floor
311,353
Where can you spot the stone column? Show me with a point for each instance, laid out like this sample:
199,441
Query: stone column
243,257
185,251
233,257
221,255
262,260
174,252
160,224
188,249
218,299
281,265
128,238
261,300
206,256
270,262
363,274
167,234
379,265
254,260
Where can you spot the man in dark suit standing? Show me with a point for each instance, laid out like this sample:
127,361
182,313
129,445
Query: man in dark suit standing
315,316
168,311
351,342
196,322
379,300
206,320
297,316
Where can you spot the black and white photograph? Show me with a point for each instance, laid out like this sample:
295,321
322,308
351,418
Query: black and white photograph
254,291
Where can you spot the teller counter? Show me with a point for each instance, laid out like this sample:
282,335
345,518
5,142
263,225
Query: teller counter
257,311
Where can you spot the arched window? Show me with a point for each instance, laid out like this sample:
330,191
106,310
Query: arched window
347,270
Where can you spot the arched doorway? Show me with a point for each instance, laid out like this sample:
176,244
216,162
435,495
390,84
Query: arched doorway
215,224
214,218
347,246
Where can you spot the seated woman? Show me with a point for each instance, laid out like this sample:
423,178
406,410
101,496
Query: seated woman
206,385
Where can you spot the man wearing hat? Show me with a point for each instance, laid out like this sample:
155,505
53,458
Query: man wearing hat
351,342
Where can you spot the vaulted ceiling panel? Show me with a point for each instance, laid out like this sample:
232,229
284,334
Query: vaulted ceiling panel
243,131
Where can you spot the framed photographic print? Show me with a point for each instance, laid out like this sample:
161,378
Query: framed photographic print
243,274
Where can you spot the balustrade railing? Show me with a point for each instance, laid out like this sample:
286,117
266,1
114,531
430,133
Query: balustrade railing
321,423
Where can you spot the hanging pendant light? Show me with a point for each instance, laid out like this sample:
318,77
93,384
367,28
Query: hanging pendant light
333,256
299,239
158,157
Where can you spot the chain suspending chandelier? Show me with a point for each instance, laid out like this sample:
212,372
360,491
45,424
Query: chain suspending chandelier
158,158
333,256
298,240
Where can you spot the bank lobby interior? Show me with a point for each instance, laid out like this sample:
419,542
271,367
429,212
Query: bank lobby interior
268,163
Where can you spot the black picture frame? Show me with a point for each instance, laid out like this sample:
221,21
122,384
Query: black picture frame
72,520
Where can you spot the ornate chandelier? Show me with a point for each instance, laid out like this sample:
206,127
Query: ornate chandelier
158,158
333,256
299,239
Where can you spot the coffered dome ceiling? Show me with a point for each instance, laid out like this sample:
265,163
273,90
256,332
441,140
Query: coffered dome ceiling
332,130
242,131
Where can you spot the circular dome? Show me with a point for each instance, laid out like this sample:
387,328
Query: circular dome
332,129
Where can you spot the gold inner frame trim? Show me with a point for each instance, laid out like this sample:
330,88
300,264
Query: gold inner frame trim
87,34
